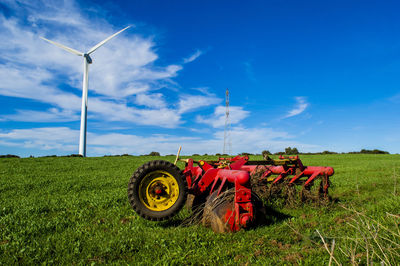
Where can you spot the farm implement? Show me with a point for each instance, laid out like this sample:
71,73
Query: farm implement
227,193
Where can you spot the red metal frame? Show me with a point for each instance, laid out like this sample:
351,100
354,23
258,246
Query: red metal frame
205,178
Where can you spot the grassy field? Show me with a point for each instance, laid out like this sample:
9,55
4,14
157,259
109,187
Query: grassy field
76,211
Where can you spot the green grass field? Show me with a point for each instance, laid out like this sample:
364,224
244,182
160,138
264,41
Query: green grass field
76,211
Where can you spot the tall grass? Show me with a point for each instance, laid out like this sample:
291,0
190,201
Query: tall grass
374,241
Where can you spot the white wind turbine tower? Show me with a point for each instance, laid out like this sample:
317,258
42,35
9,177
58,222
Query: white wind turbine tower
86,61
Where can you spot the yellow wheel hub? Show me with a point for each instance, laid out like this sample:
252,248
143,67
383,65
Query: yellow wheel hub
158,190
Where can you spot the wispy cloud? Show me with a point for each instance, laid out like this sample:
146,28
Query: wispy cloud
64,140
61,139
248,67
50,115
395,98
217,119
122,69
204,90
192,102
155,100
193,57
300,107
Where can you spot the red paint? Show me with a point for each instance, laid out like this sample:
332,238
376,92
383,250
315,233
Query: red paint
228,172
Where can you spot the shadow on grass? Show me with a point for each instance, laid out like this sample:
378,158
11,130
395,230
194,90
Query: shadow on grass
273,216
265,216
175,222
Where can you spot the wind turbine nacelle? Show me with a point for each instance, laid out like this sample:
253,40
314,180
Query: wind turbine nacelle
88,58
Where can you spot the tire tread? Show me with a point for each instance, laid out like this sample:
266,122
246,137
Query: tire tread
140,173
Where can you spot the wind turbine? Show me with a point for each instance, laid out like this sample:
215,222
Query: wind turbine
86,61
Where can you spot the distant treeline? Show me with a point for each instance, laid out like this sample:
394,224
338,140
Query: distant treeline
9,156
295,151
288,151
375,151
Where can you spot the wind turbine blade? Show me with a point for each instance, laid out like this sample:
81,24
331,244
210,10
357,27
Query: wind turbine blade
94,48
66,48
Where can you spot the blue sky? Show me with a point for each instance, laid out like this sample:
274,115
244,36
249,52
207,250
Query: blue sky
316,75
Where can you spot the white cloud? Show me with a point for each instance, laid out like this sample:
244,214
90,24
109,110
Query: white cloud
51,115
256,139
192,102
120,111
54,138
151,100
204,90
62,140
24,82
299,108
236,114
124,67
193,57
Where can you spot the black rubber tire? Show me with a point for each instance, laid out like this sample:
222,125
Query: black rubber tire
137,177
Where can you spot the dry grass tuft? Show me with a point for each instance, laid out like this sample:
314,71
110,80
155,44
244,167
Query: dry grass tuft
290,195
375,242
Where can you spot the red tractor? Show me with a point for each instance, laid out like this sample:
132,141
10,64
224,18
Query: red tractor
222,189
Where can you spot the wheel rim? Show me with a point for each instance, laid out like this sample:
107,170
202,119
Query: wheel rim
158,191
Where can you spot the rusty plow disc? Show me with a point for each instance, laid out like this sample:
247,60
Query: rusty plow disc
218,209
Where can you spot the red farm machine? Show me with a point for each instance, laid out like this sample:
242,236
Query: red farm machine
227,193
